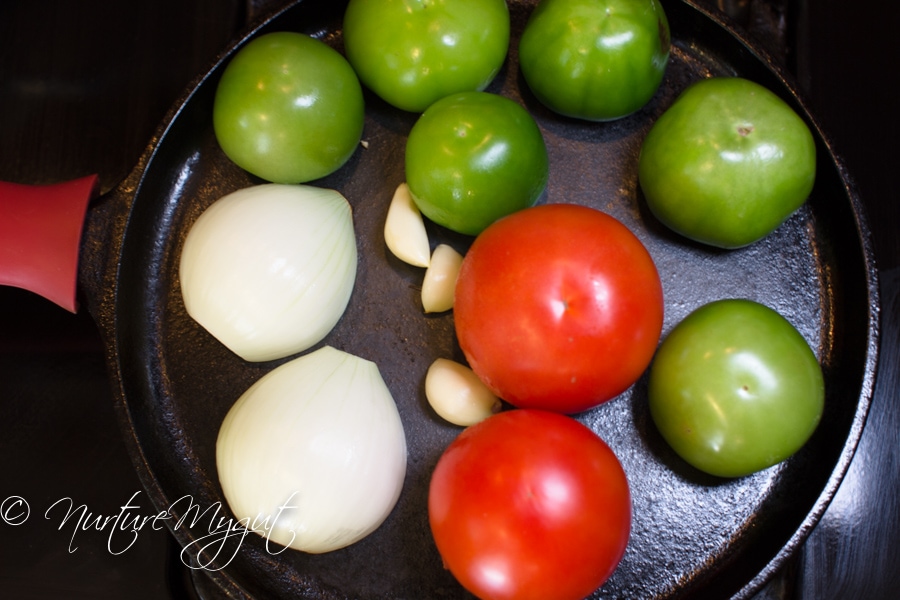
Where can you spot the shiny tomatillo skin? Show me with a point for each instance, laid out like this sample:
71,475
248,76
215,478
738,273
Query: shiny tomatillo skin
727,163
735,389
474,157
597,60
414,52
289,108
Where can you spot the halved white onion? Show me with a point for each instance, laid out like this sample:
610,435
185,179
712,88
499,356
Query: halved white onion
314,453
268,270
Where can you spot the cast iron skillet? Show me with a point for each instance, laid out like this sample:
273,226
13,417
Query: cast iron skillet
693,535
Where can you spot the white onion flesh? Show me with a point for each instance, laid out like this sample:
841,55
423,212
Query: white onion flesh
457,395
268,270
440,279
404,229
320,435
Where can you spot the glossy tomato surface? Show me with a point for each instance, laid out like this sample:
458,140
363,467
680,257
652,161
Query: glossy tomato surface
727,163
414,52
559,307
528,505
288,109
595,59
474,157
735,388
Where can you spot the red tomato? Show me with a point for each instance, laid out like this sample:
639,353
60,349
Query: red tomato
530,504
558,307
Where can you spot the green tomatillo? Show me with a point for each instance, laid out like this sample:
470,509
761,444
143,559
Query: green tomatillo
474,157
735,388
289,108
727,163
597,60
413,52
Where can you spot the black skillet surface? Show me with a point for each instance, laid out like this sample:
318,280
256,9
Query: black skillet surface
693,536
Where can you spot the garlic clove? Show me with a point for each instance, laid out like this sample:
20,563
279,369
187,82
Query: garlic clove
404,229
457,395
440,279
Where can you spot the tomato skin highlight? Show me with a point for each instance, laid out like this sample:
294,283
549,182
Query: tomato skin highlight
558,307
530,504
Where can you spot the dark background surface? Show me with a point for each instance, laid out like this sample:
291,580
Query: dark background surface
83,86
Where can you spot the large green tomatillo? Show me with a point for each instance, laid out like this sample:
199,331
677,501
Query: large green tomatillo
413,52
727,163
289,108
735,388
474,157
595,59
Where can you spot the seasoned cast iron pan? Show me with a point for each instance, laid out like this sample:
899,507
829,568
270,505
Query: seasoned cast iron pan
693,535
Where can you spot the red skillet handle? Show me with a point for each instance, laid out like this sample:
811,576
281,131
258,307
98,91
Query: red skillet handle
40,236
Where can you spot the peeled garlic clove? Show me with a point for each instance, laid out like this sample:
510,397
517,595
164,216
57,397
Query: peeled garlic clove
313,455
404,229
456,394
440,279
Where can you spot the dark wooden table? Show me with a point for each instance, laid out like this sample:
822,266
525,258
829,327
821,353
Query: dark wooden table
83,86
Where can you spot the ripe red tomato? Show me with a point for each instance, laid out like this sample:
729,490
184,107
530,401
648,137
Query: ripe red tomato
558,307
530,504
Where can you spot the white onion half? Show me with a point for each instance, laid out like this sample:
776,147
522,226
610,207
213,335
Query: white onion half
268,270
314,453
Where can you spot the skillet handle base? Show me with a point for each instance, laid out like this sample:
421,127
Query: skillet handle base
40,236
